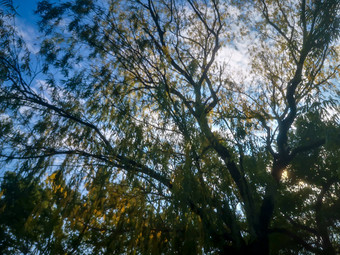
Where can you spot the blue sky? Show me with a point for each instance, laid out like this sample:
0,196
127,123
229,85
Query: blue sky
26,22
25,9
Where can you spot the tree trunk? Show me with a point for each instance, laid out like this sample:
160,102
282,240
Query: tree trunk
258,247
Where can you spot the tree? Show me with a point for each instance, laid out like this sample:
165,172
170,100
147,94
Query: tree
7,4
22,232
152,144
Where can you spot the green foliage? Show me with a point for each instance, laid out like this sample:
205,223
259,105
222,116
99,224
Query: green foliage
28,219
132,133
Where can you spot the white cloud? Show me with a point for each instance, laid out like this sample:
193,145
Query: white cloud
30,35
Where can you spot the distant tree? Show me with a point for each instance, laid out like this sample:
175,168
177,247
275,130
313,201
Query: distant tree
143,139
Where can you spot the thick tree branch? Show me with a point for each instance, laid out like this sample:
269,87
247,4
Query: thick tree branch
307,147
112,159
295,238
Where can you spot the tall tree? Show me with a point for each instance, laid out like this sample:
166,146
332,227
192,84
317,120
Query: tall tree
152,143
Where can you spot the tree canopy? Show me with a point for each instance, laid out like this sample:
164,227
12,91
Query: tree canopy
171,127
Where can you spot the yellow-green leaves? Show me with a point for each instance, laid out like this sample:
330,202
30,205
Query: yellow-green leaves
171,127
